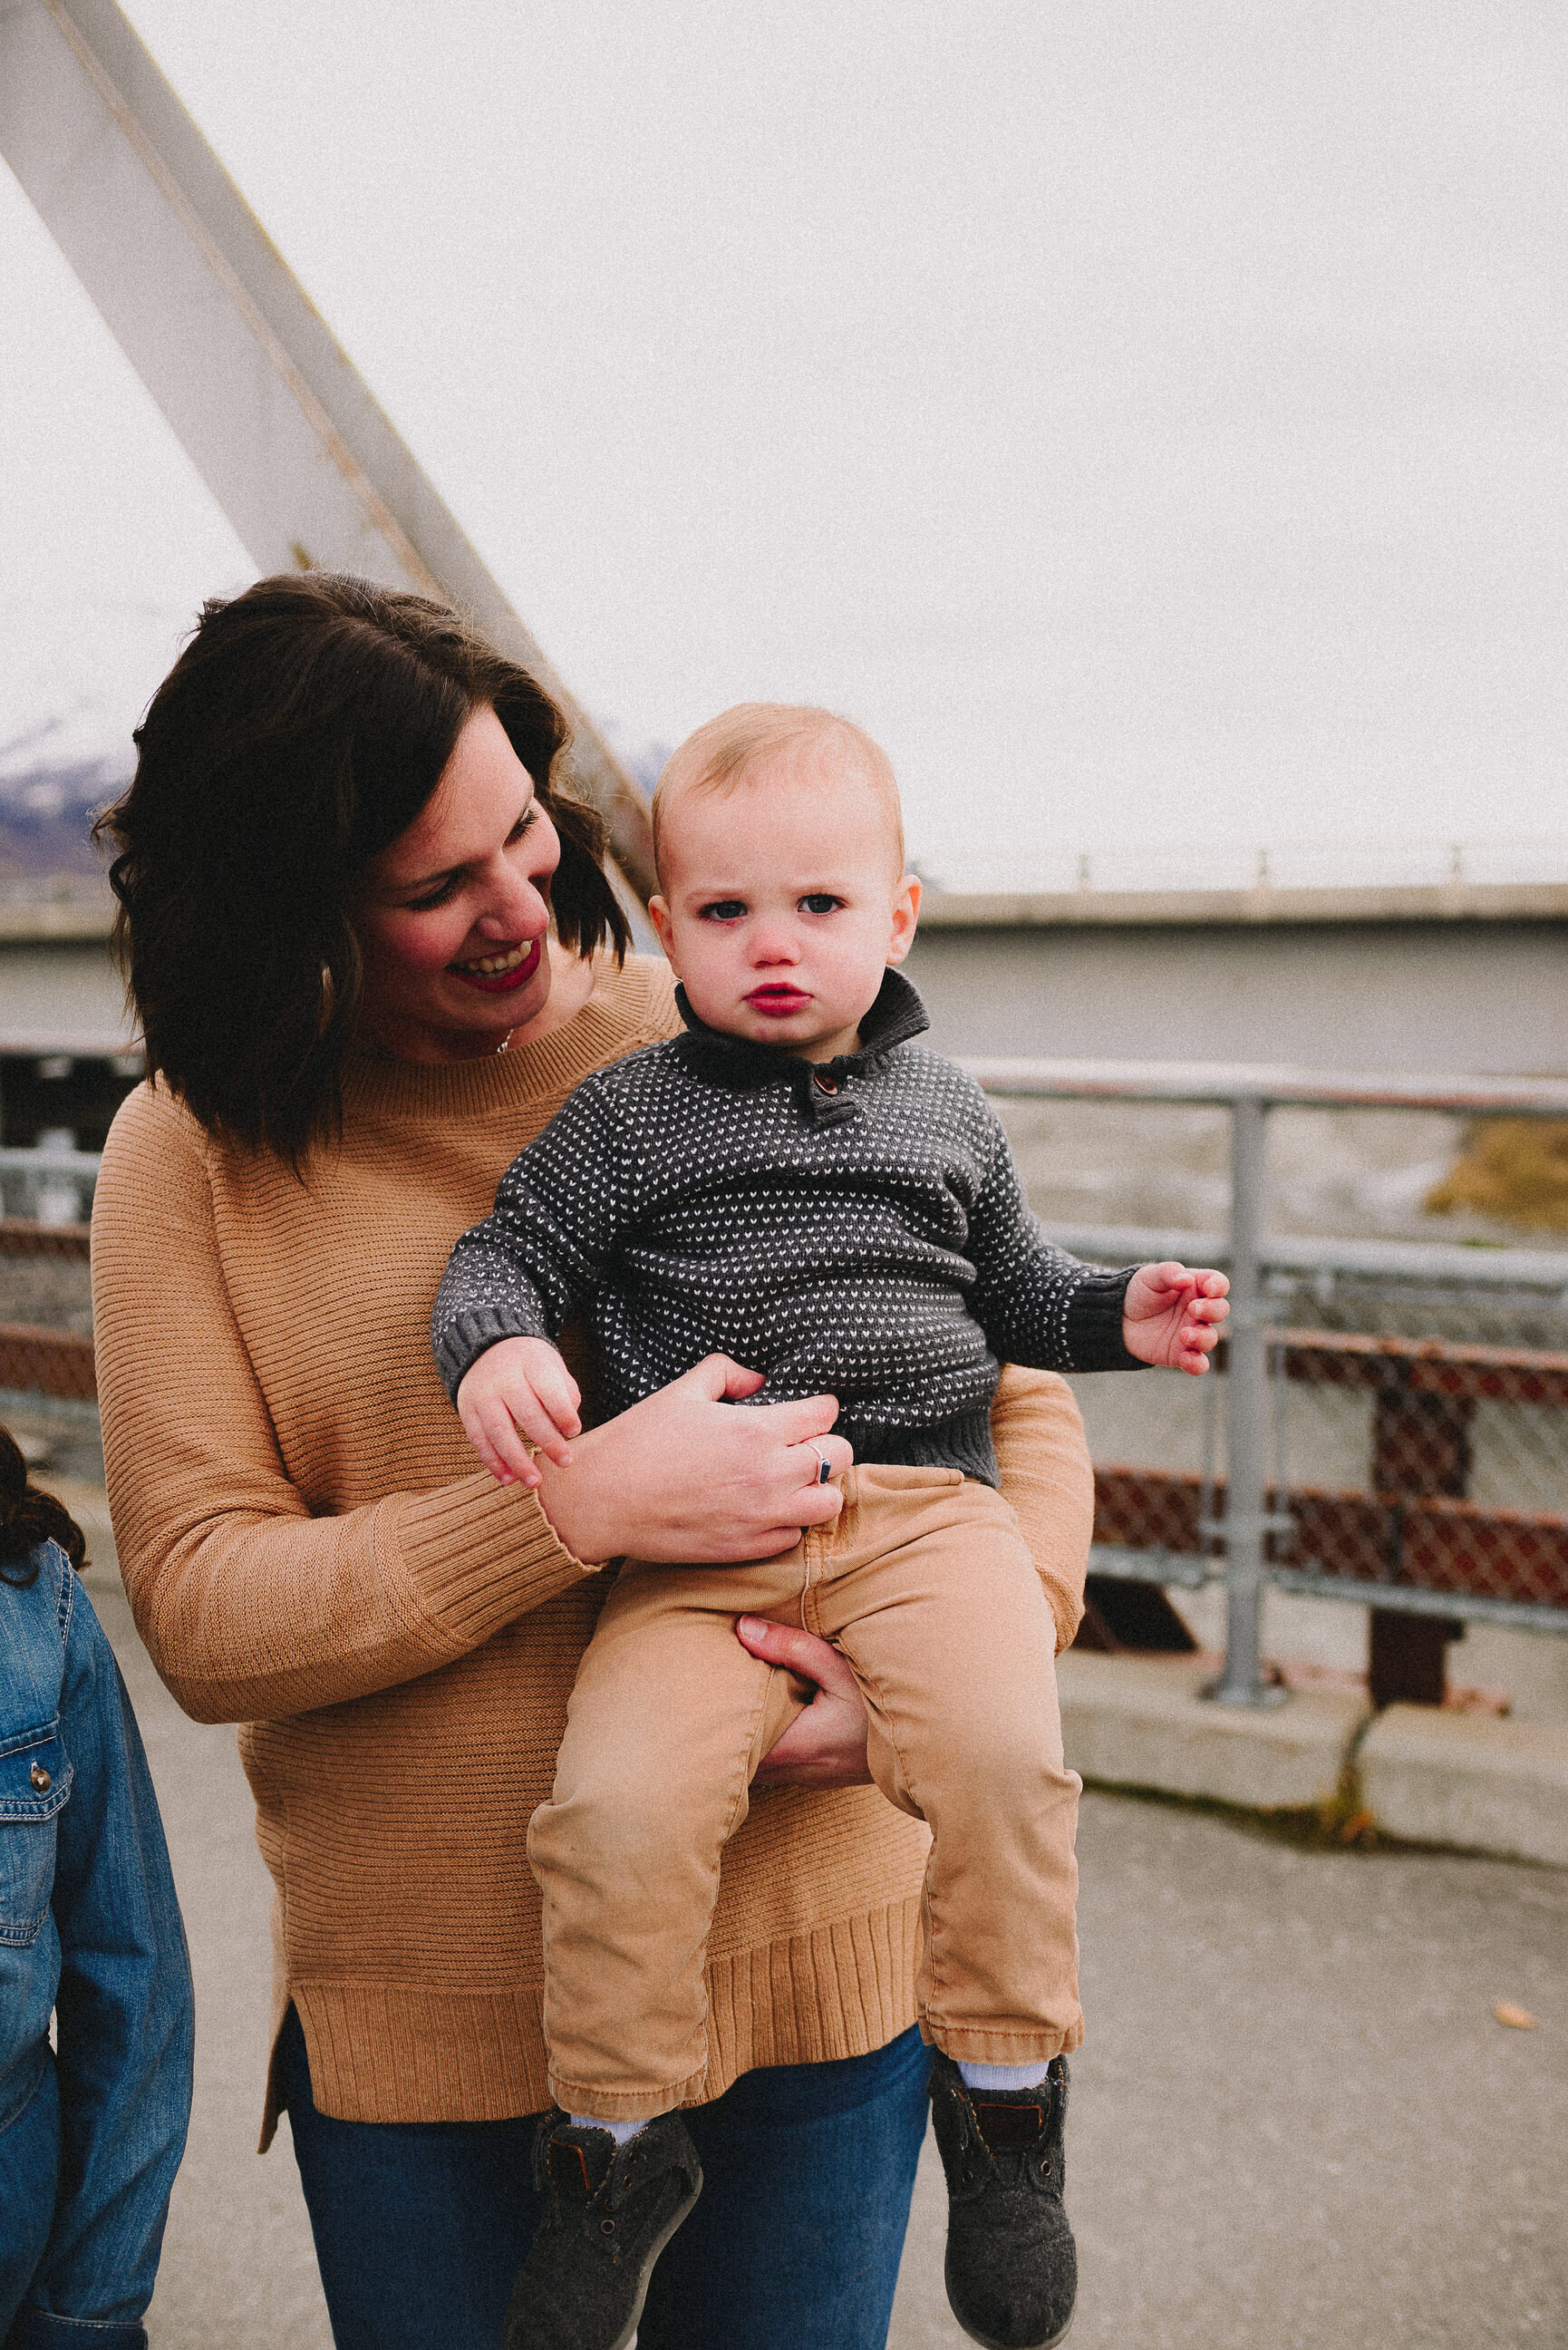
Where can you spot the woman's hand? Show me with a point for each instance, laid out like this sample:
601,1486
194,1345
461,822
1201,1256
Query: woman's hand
684,1478
826,1745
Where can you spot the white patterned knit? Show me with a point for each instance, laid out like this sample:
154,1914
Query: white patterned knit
854,1228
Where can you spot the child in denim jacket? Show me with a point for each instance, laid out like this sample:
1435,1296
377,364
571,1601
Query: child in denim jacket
91,2131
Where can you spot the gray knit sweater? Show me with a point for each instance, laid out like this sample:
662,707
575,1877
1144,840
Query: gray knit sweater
853,1228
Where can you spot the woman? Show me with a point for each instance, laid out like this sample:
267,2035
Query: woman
339,860
92,2126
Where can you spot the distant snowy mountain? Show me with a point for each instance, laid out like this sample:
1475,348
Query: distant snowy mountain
54,779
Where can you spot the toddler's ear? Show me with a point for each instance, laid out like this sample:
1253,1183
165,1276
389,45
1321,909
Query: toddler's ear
905,914
658,915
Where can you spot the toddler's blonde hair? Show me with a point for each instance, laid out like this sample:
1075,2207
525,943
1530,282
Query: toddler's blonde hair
721,754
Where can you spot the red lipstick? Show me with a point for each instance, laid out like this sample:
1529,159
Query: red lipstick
502,983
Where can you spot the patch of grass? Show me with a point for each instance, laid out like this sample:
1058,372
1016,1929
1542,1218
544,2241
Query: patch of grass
1512,1167
1340,1824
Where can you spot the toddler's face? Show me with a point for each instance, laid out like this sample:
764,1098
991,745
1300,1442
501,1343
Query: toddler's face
783,904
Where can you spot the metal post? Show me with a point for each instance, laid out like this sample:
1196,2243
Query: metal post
1246,1520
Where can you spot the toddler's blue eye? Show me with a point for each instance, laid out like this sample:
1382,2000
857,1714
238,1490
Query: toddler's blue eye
724,909
821,902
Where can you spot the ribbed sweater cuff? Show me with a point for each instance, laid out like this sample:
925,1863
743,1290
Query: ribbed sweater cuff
468,1335
1095,1323
479,1554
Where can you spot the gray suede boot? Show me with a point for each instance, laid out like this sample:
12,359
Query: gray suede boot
1012,2265
609,2211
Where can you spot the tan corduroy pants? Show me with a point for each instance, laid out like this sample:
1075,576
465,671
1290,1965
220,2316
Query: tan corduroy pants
925,1586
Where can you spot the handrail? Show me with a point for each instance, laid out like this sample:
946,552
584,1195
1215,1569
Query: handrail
1271,1086
1479,1266
83,1164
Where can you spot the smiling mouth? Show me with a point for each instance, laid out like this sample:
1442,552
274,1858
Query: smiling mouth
507,968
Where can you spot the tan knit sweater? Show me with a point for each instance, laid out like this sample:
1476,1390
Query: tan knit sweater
309,1552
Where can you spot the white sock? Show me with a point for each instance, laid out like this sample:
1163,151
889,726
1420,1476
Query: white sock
619,2131
1003,2076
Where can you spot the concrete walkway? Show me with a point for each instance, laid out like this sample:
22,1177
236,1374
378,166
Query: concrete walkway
1296,2125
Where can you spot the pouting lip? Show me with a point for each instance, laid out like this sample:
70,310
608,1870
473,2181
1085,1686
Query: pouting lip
780,1002
502,983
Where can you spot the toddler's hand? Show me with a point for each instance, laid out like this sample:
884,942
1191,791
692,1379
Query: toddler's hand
518,1393
1171,1315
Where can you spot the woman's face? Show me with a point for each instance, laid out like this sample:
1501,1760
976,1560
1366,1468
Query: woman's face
452,917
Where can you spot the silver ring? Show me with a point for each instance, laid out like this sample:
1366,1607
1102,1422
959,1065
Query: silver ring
823,1466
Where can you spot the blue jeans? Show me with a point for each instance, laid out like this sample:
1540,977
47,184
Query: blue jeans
808,2170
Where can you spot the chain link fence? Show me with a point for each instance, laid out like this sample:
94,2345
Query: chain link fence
1390,1422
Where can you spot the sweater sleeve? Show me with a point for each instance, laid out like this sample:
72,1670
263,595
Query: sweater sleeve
252,1608
1046,1475
538,1257
1037,1304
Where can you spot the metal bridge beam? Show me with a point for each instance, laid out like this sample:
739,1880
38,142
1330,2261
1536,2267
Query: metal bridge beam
278,423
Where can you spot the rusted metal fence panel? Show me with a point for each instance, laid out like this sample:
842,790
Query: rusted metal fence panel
46,1362
1441,1371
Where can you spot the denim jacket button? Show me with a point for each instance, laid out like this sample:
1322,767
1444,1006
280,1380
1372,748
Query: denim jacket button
40,1778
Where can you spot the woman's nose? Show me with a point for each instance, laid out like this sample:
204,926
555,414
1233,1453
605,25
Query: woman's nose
516,906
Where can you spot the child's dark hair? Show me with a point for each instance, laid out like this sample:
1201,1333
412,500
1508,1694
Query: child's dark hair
28,1518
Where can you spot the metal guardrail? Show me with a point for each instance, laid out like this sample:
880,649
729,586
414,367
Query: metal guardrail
1253,1514
50,1185
1246,1516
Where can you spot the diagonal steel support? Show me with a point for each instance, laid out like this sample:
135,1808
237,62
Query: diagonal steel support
270,410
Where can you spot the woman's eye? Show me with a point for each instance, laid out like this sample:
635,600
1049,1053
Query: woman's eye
524,824
724,909
436,898
821,902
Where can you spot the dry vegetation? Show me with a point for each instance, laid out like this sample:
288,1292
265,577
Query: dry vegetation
1515,1169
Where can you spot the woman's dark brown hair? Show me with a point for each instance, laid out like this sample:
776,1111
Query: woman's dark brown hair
302,728
28,1519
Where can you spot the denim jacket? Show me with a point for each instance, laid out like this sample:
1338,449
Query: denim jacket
90,2137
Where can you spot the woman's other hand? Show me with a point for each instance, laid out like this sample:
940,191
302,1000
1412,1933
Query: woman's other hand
826,1745
683,1478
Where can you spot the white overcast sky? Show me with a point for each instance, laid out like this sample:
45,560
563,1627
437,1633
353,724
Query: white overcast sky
1148,416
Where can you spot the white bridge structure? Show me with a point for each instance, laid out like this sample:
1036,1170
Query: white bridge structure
277,422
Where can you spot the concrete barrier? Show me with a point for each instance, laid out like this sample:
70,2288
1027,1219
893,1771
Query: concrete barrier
1469,1779
1142,1721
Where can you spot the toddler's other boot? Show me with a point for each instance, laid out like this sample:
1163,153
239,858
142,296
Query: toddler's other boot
1012,2265
609,2211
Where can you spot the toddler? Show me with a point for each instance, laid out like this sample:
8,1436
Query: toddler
795,1183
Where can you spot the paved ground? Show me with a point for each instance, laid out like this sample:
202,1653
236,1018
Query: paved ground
1296,2125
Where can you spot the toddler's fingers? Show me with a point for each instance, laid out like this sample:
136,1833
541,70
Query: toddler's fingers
495,1440
533,1418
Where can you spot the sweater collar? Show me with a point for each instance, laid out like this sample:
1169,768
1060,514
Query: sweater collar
742,1066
